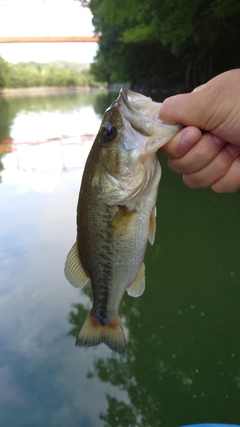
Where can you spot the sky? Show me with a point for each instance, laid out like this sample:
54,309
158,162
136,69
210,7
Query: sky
24,18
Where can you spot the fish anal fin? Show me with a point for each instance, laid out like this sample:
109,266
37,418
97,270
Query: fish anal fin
152,226
138,286
73,270
94,333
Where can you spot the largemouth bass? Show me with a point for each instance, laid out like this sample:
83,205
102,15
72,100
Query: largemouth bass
116,213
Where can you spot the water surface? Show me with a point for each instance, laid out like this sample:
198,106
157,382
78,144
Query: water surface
183,356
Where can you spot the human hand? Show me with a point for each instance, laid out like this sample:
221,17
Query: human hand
209,159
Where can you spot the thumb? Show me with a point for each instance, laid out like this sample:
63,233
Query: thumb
186,109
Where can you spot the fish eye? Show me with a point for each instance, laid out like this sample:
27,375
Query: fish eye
108,132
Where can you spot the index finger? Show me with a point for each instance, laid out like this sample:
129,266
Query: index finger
182,142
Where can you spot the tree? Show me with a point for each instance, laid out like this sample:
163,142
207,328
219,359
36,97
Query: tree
4,73
192,40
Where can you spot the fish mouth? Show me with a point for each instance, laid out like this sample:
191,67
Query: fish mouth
142,114
135,102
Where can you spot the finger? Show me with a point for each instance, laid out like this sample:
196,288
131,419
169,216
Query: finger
170,111
215,170
182,142
213,106
199,87
230,182
200,155
187,109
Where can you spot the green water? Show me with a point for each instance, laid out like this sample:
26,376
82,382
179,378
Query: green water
182,364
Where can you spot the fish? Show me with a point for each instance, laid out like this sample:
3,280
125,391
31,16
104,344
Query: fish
116,213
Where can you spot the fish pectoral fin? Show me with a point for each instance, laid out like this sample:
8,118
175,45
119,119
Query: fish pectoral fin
94,333
152,226
122,221
138,285
73,269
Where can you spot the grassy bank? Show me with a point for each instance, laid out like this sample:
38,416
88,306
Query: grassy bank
41,90
56,73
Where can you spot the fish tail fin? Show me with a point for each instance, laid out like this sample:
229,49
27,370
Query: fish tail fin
94,333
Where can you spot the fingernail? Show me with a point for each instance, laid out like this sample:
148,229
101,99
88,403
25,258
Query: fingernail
188,139
218,140
233,149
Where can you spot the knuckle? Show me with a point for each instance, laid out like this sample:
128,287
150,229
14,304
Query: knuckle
218,187
193,181
174,166
207,150
166,108
224,160
221,187
167,149
204,147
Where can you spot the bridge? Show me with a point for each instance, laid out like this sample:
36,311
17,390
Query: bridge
50,39
46,30
46,21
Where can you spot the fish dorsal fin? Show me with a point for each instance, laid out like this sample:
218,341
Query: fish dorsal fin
73,270
138,285
152,226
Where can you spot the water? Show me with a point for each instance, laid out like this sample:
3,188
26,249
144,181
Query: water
182,362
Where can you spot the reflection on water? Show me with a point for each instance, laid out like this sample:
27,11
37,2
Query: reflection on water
53,154
182,361
49,133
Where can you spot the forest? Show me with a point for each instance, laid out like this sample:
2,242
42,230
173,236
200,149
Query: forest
55,73
165,44
154,45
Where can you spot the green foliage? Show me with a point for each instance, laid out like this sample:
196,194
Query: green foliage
119,412
225,8
6,117
139,33
195,39
57,73
4,71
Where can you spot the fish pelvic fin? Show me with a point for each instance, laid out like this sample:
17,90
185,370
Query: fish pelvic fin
73,269
137,287
152,226
94,333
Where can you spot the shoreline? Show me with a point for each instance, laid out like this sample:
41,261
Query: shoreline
42,90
